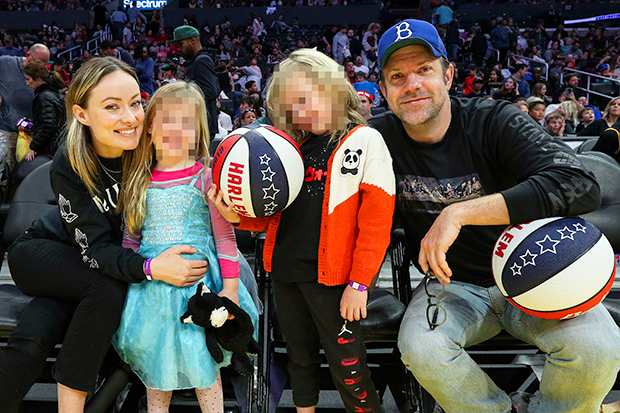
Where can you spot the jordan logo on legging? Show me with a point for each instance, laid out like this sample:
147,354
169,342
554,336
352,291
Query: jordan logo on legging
344,329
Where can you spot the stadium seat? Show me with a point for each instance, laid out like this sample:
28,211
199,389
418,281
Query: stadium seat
586,145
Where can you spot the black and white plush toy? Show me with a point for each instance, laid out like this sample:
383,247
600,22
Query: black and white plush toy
225,324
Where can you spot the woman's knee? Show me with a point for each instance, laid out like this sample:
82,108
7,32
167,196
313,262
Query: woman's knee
107,292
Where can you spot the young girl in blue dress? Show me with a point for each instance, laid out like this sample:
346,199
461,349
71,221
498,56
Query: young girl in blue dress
165,205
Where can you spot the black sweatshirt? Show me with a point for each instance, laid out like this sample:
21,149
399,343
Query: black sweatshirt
609,142
489,147
90,223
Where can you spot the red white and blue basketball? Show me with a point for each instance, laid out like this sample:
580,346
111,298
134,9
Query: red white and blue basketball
554,268
259,169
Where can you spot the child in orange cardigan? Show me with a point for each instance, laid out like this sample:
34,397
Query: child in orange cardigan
325,248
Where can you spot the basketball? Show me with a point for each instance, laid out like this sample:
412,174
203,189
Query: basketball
554,268
259,169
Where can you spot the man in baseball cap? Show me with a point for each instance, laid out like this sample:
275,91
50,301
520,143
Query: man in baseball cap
200,69
465,169
366,92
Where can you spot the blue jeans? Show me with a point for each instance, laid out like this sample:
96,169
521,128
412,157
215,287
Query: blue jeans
583,353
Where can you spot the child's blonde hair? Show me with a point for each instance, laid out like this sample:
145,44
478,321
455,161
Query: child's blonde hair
327,75
133,196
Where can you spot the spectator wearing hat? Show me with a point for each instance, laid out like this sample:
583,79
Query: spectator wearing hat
366,92
478,89
144,99
464,171
170,72
519,77
200,69
469,80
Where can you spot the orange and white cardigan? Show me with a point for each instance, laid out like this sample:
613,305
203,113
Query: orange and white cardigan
357,211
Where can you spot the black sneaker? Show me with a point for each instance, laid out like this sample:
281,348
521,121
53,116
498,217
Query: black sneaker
520,401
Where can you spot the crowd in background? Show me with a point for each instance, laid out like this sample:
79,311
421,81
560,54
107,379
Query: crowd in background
490,55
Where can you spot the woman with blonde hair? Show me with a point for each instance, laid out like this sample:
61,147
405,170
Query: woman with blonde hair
324,249
610,116
71,259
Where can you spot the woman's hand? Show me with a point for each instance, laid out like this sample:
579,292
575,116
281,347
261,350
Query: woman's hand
353,304
171,268
30,155
227,211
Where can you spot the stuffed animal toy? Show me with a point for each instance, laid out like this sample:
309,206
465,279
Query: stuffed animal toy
226,324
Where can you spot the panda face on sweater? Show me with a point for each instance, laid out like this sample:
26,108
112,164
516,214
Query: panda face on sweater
351,161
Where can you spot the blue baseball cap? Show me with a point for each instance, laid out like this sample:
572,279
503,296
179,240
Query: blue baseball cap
409,32
365,89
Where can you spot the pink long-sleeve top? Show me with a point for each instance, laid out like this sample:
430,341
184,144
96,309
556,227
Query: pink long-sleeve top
223,232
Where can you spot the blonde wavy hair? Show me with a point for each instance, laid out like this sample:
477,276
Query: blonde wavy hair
132,201
571,111
607,110
80,149
327,76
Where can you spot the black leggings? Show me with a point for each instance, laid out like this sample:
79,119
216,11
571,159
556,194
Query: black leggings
309,315
72,297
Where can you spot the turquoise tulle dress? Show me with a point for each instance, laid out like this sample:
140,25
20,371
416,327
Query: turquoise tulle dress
165,353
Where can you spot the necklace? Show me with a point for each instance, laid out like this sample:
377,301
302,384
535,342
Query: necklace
108,171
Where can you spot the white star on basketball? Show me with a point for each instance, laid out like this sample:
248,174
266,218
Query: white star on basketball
268,174
264,160
516,269
547,244
531,256
580,228
566,232
270,192
270,207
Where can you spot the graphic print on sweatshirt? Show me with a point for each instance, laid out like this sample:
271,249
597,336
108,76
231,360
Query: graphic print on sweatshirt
431,195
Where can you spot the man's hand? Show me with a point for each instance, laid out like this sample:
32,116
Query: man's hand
30,155
436,243
353,304
486,210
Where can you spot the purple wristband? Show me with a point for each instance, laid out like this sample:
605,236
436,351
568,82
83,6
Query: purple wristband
358,286
147,269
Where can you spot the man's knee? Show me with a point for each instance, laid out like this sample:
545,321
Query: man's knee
422,348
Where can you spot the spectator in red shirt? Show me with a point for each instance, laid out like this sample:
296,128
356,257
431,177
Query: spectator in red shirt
468,85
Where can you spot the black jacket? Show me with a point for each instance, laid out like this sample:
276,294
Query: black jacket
50,119
201,70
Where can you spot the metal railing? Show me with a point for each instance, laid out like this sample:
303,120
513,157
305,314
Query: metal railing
76,49
529,59
93,44
589,77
